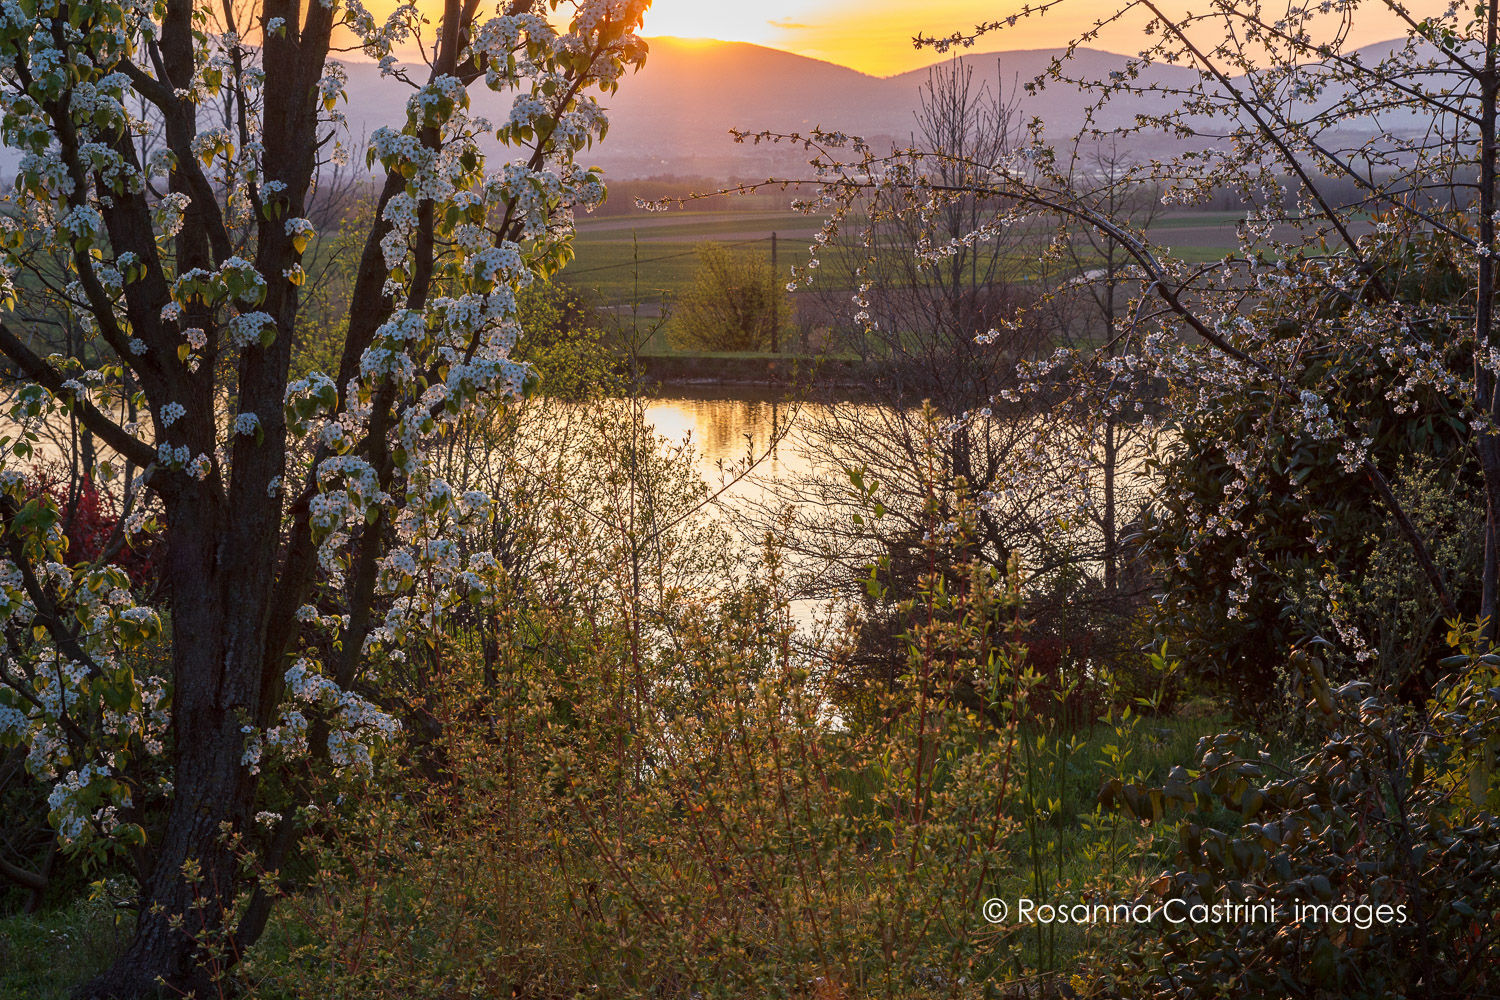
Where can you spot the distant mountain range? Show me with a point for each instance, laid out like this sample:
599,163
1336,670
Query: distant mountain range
674,116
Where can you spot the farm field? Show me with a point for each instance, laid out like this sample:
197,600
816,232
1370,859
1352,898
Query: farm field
653,256
634,267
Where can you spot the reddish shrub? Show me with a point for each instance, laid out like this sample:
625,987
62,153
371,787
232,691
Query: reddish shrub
90,517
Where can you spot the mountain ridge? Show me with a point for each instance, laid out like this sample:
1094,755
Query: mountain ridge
674,116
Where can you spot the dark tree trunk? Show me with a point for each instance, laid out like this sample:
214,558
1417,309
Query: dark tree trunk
1489,463
227,644
219,597
1111,544
1484,332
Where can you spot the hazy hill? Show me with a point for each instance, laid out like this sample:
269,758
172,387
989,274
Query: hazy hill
759,88
675,115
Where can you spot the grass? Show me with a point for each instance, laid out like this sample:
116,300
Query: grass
1066,851
42,956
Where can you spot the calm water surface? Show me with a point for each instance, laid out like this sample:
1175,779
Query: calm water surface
732,429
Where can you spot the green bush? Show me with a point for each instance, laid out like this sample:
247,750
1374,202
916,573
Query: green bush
736,303
1380,813
562,341
639,820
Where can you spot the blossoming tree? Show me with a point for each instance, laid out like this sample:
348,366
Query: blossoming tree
171,152
1368,174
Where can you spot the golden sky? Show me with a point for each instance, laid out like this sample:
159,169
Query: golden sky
874,36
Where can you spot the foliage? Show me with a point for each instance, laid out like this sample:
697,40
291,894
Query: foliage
861,524
539,728
935,282
94,526
564,345
635,789
1409,292
1338,379
736,303
93,533
1383,876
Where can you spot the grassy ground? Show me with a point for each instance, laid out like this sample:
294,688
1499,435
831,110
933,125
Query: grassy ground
43,956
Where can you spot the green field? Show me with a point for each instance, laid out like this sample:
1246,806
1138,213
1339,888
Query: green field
652,256
632,267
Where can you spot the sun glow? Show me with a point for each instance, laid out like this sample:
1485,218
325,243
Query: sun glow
761,22
875,36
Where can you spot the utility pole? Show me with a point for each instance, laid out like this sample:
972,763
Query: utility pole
775,301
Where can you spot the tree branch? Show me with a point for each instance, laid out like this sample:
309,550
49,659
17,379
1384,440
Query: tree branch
44,374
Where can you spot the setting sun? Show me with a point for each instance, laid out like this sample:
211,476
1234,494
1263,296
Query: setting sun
873,37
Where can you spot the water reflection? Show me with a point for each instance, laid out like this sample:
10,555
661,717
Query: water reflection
748,439
731,432
759,451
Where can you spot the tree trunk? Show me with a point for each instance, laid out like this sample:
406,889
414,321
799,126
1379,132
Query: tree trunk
1484,330
1489,464
1111,545
187,901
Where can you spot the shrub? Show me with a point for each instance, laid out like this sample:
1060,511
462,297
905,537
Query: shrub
1381,812
1265,536
634,793
563,343
736,303
90,520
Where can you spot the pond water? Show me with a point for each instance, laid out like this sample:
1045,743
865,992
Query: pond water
749,442
753,444
745,438
780,440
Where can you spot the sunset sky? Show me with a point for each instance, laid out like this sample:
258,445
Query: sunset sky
875,35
